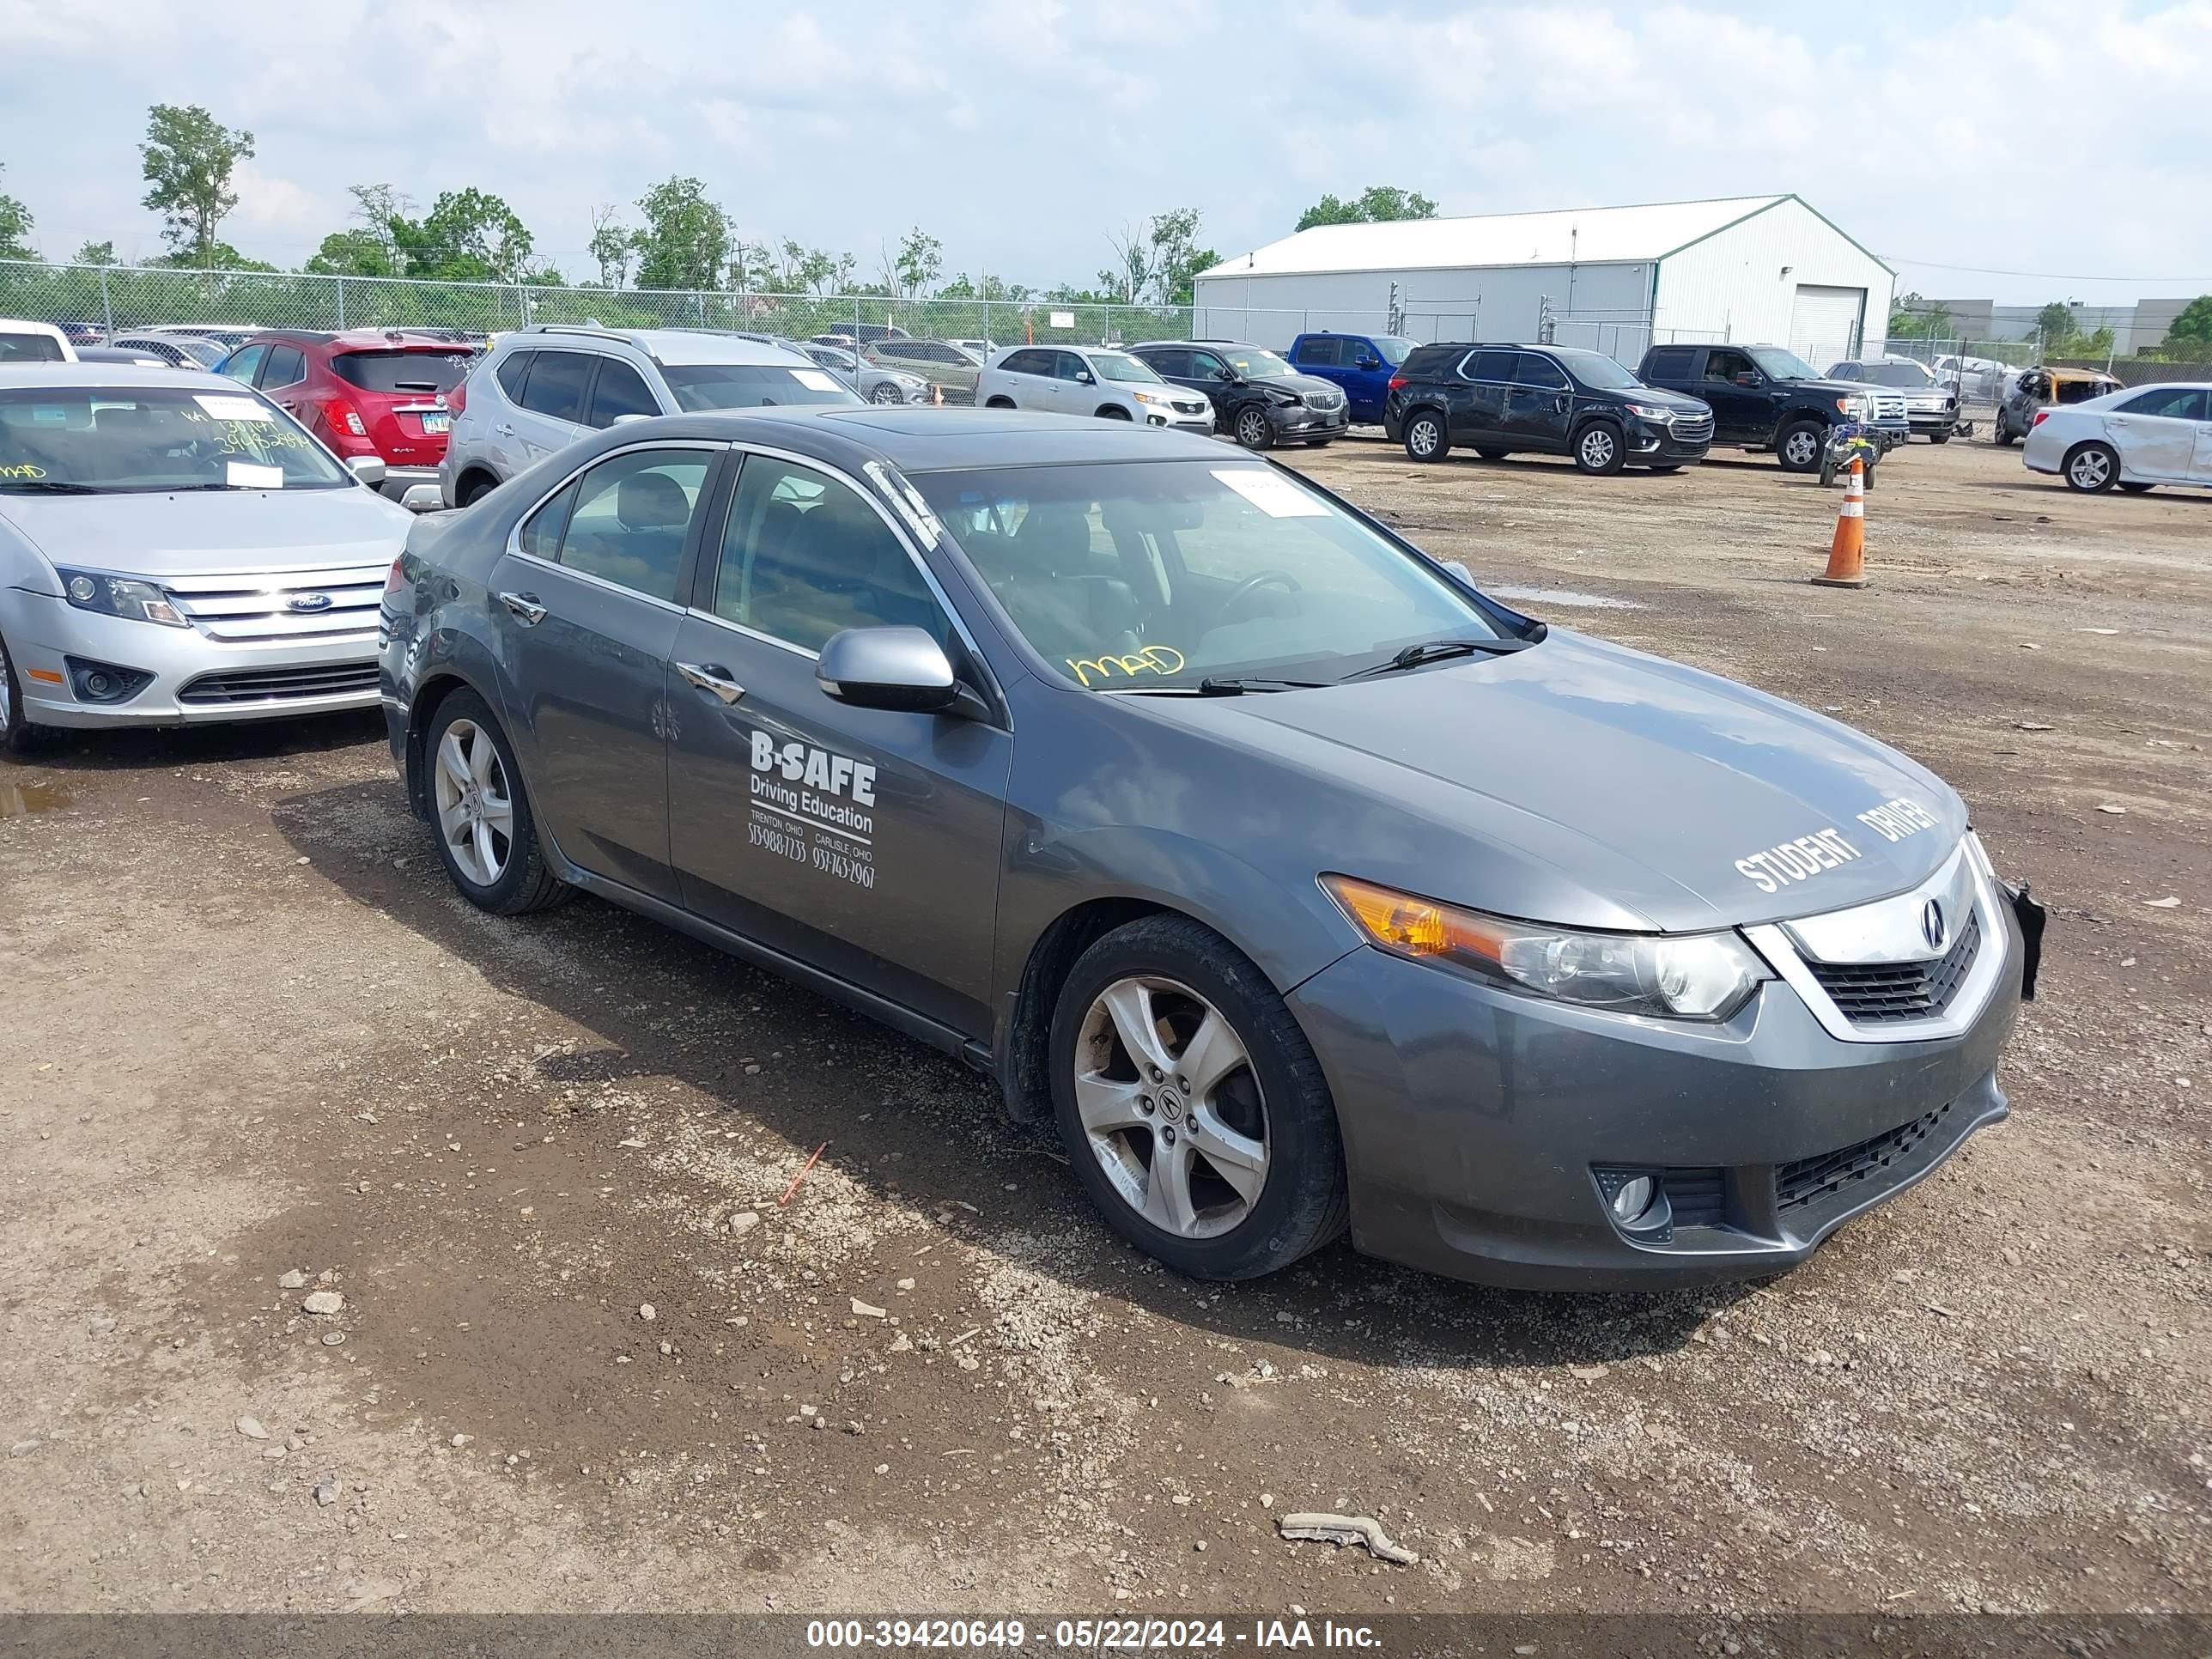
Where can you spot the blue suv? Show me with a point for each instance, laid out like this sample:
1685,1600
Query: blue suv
1361,363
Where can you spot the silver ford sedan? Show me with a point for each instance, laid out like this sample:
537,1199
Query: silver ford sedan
174,549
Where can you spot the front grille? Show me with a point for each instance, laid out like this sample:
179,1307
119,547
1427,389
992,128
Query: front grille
262,606
1324,400
1183,408
1808,1179
1889,405
281,684
1693,428
1886,993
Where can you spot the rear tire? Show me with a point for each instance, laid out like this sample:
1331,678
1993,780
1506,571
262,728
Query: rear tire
1799,446
1211,1217
1939,437
1427,438
2136,487
2091,468
475,488
18,736
1489,453
1251,427
1665,466
510,880
2000,434
1600,449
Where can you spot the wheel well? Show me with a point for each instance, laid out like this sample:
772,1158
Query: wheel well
469,477
1435,410
420,714
1025,1070
1111,412
1599,417
999,403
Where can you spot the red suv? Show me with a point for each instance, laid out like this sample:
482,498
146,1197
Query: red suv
367,391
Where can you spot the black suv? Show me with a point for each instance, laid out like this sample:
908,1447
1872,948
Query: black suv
1259,399
1549,400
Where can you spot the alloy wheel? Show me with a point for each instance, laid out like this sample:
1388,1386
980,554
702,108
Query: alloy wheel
2091,470
1252,428
1171,1107
1597,448
1423,438
7,692
476,808
886,393
1800,448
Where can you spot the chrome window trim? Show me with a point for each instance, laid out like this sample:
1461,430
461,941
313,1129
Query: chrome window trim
1772,940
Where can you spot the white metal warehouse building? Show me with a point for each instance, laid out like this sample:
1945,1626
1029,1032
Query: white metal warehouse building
1757,270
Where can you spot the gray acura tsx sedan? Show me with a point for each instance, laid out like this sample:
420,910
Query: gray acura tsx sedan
1301,883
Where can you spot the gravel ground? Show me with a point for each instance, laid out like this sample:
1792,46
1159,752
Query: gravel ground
359,1251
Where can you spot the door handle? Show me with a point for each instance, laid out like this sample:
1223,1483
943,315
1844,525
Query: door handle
524,605
503,430
712,677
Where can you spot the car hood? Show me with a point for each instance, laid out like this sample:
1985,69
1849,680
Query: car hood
1585,784
1843,388
161,534
1301,384
1660,397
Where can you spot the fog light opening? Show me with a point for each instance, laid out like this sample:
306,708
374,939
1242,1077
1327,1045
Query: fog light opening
1633,1199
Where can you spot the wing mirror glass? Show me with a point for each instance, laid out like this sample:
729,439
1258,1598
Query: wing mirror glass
893,667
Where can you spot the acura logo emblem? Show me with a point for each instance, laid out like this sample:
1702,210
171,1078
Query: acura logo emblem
1932,926
311,602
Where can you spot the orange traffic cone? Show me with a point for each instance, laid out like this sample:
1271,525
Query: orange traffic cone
1847,553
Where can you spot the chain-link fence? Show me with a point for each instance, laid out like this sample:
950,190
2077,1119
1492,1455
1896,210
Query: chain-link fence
118,298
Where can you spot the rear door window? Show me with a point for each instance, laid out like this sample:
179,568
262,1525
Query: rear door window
1490,366
286,365
513,373
558,381
631,515
1321,351
1540,371
1671,363
1170,363
426,374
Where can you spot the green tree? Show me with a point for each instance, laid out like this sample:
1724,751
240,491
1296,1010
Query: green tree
14,229
1176,257
686,239
611,247
2055,322
217,255
2192,334
95,253
1371,206
353,253
468,236
1915,319
918,261
189,157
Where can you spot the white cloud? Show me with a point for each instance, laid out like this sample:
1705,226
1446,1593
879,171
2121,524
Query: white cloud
2027,135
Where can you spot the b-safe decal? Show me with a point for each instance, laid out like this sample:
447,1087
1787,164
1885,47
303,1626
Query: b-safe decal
814,807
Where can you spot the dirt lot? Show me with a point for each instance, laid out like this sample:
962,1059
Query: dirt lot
251,1032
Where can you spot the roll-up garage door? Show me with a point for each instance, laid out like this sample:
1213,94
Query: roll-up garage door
1825,323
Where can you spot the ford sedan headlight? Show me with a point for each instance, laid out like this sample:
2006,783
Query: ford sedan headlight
119,596
1704,976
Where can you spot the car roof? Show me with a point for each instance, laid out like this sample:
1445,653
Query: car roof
918,441
15,376
1233,345
359,339
25,325
663,345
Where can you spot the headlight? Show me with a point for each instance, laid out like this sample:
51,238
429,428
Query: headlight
1694,976
119,596
1652,412
1149,398
911,382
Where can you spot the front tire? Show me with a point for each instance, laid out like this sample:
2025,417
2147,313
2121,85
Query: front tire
887,393
18,736
1113,412
1427,438
2000,434
1192,1107
999,403
2092,468
487,835
1598,449
1799,446
1490,452
1939,437
2136,486
1252,428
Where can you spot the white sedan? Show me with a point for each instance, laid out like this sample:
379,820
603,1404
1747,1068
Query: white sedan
2146,435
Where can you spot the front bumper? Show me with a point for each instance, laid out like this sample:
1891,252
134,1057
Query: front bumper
398,479
193,680
1304,425
1658,443
1477,1123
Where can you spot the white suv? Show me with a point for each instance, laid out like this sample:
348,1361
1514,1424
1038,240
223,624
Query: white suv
1090,380
539,389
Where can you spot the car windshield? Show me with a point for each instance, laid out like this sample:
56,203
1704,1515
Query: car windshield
206,353
427,373
1596,370
1116,367
1252,361
749,386
1155,576
96,440
1394,349
1905,375
1782,365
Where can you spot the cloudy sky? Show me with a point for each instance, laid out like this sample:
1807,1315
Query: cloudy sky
2055,142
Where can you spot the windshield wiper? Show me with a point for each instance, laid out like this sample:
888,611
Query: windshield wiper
46,487
1436,650
1232,685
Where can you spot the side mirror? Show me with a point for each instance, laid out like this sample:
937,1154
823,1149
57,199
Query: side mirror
1748,380
423,498
1369,362
893,667
1460,571
620,419
1224,373
369,469
1083,377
